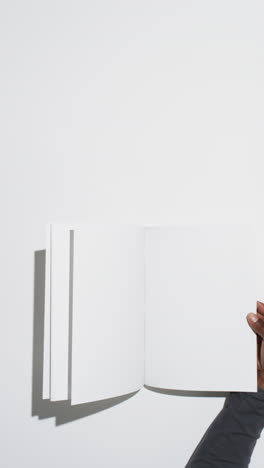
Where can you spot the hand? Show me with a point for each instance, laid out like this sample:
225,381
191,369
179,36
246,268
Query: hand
256,322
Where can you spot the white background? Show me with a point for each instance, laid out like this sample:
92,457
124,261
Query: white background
137,111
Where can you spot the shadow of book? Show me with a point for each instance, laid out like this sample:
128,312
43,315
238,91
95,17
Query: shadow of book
63,411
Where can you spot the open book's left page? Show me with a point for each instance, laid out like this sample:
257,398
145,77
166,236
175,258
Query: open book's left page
97,322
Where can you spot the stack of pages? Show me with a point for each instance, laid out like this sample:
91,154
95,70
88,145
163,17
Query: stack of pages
162,306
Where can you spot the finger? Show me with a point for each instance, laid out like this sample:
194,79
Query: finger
260,308
256,323
259,342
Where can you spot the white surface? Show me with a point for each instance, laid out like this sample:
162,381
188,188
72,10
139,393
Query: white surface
200,284
108,312
145,112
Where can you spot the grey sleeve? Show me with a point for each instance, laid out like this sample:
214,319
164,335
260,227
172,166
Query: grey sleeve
230,439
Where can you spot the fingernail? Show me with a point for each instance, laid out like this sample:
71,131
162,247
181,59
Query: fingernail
254,318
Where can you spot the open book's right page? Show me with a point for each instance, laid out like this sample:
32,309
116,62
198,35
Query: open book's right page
200,285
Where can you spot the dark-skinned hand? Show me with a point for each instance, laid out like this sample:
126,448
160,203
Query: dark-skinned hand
256,322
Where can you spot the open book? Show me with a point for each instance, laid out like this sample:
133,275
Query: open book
163,306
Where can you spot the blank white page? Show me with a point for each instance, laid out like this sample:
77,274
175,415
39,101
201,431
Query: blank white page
260,261
60,278
46,351
108,312
200,284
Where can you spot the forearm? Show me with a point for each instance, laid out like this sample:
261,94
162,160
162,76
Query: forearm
232,436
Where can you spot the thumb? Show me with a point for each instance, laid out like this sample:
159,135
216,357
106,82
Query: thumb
252,320
256,324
